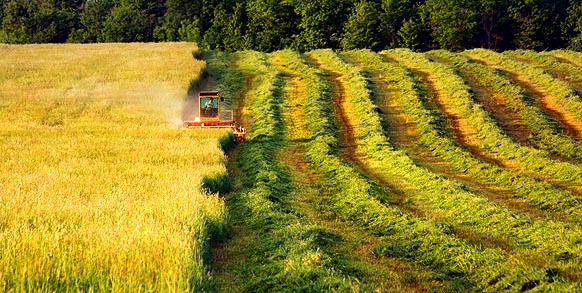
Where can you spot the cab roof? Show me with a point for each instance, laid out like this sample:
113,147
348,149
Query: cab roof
209,94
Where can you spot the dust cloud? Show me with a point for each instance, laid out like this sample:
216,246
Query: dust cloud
190,104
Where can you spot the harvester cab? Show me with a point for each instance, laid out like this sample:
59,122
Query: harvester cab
210,114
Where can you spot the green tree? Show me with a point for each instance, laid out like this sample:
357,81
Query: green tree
189,31
180,15
271,25
452,22
91,19
214,36
494,24
205,10
38,21
13,23
393,14
152,10
126,23
572,26
2,2
413,34
361,29
320,24
235,29
536,22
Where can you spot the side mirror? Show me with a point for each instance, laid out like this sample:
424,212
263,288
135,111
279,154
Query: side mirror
222,99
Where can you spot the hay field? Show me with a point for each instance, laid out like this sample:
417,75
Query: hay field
100,187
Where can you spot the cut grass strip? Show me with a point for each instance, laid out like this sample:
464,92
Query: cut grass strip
492,137
353,198
441,195
559,91
288,252
545,134
564,70
402,166
433,136
572,57
385,274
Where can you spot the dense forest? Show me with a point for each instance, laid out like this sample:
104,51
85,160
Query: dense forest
302,25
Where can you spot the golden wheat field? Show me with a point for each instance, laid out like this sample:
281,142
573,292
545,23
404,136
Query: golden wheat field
100,187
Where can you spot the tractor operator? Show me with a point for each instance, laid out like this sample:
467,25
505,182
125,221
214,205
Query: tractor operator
208,106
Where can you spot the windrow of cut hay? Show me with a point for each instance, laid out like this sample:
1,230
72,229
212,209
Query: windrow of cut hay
546,134
449,202
558,91
286,251
353,198
487,130
435,138
100,188
440,196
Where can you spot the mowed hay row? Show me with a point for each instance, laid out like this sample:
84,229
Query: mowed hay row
445,201
460,98
404,235
442,199
282,249
436,138
558,67
557,96
100,188
544,132
567,56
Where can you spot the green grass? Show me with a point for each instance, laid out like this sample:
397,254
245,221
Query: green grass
493,137
284,250
546,135
414,239
443,196
445,200
570,72
434,136
559,90
573,57
100,185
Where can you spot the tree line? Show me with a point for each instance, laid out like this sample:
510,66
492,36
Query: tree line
302,25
